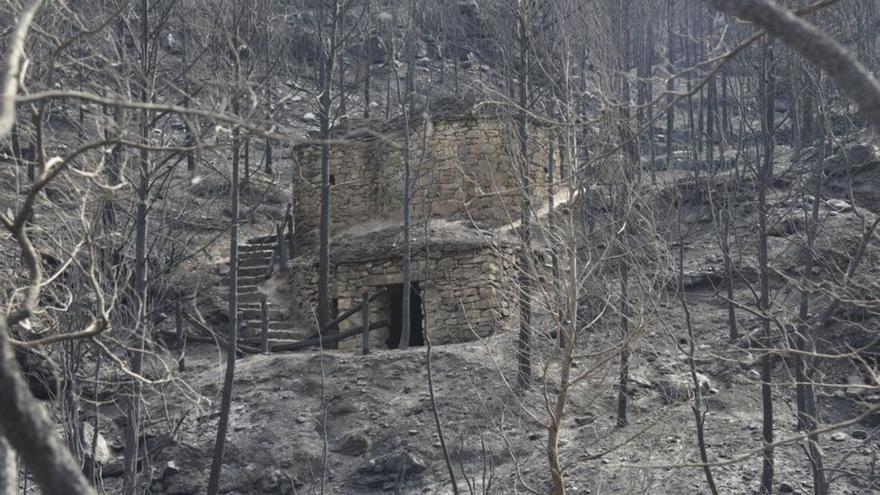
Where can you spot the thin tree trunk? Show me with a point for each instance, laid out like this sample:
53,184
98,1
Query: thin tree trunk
131,451
649,89
247,161
407,190
324,227
435,412
805,343
701,55
710,125
368,62
670,83
697,407
524,344
766,90
726,219
633,161
623,378
268,169
16,161
689,61
190,157
228,379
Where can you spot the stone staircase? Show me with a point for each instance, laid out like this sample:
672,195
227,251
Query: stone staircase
253,265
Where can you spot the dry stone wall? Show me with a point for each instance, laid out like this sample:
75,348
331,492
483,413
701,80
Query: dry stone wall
468,293
468,170
302,276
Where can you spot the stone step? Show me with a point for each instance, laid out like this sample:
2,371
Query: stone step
257,255
251,280
254,261
249,297
252,248
255,313
252,271
257,325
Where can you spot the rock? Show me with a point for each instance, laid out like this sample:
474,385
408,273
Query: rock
169,42
102,449
789,224
113,469
839,205
855,155
223,269
838,436
859,434
310,117
388,468
432,49
171,468
856,385
302,420
680,386
785,488
278,482
469,8
374,50
584,420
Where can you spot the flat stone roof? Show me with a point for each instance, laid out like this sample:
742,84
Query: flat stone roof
366,243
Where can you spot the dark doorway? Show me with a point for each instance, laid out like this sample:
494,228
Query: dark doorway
395,299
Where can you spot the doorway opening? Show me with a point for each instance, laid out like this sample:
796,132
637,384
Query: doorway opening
395,304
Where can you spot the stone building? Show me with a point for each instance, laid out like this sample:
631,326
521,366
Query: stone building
466,197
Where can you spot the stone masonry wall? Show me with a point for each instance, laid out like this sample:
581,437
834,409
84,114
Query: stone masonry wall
469,171
468,292
302,276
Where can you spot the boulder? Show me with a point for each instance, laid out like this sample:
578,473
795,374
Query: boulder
469,8
171,44
839,205
680,386
101,448
856,385
853,156
372,49
388,468
354,443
